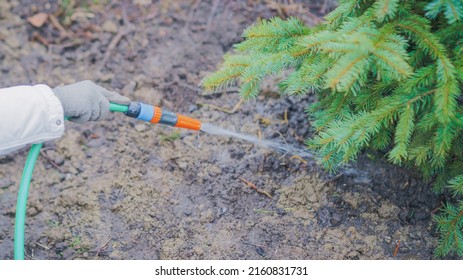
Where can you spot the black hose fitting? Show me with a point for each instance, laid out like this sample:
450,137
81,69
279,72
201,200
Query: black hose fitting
134,109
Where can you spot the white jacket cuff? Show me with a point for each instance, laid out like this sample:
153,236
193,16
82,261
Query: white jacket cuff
29,114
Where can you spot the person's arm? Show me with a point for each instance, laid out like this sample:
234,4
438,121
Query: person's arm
29,114
33,114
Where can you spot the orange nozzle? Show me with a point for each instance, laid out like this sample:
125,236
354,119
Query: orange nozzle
188,123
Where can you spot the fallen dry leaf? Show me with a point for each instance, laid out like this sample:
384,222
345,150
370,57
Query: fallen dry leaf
38,20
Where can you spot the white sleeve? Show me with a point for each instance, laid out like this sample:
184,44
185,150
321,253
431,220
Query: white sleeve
29,115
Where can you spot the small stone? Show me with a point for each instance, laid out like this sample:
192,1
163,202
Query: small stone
115,255
335,220
109,26
140,127
34,210
78,166
143,2
388,239
148,219
327,216
73,170
105,77
68,253
214,171
260,251
5,183
192,108
353,255
183,165
198,251
58,159
388,211
61,246
13,42
221,211
208,216
6,159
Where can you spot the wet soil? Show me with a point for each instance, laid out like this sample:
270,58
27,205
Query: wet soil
121,189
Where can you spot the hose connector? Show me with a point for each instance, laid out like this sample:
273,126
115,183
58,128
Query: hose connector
149,113
133,109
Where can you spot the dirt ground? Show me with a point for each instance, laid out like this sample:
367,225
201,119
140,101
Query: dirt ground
122,189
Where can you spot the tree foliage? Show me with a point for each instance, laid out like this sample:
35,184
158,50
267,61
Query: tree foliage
388,75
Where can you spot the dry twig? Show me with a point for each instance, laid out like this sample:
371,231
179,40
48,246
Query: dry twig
52,162
36,36
120,33
57,25
285,117
334,179
299,158
255,188
396,248
42,246
435,210
102,247
228,111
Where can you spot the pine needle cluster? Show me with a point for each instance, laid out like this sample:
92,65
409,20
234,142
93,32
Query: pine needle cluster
388,75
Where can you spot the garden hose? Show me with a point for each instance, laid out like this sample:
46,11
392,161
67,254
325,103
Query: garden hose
136,110
23,192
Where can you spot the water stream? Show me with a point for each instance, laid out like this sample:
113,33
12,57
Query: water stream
281,147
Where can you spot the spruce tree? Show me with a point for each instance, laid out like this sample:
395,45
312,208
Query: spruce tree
387,74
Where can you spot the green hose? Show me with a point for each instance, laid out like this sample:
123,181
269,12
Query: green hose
23,192
22,201
113,107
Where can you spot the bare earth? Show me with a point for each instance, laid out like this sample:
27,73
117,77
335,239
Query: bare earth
122,189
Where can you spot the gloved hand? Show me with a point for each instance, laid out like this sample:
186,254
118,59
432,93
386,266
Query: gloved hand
86,101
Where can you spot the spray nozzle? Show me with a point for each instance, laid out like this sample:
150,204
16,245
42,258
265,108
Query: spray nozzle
154,114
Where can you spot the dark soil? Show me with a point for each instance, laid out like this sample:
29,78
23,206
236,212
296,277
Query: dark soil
122,189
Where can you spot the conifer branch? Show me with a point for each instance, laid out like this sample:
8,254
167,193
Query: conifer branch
348,68
385,9
388,74
403,134
345,9
449,224
456,185
453,9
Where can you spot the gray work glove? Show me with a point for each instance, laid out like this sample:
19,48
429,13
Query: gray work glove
86,101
